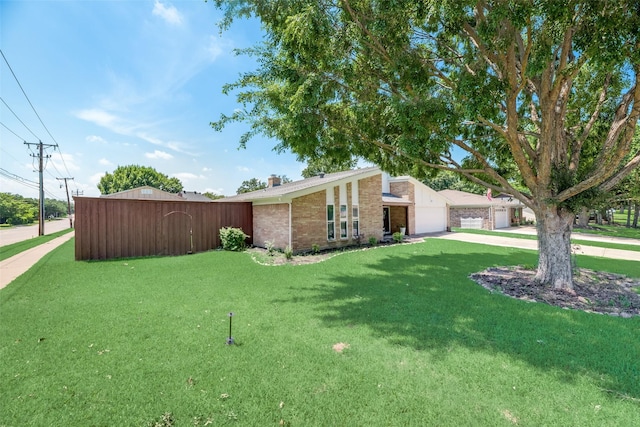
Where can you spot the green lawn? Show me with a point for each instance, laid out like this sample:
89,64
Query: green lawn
123,342
618,229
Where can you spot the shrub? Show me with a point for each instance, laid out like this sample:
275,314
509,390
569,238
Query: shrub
315,248
271,249
373,241
288,252
233,239
398,237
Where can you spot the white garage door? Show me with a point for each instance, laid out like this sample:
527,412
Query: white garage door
430,220
502,217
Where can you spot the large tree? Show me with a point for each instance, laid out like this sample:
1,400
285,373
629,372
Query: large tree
133,176
517,87
250,185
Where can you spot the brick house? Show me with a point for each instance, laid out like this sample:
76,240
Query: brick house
468,210
407,201
340,209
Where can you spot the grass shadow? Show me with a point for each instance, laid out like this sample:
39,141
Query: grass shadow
426,301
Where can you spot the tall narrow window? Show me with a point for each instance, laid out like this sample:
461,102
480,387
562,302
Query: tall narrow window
331,226
355,219
343,222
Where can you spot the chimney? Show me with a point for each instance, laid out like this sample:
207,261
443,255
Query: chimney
273,181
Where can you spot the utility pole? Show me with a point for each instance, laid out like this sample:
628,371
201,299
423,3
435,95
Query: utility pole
40,157
66,187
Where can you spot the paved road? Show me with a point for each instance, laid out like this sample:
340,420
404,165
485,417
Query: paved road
26,232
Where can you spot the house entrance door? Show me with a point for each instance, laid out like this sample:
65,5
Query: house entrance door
386,220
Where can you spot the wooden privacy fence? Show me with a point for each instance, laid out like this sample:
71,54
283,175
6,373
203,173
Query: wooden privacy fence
122,228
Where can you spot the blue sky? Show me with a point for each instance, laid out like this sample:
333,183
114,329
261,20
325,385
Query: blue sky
121,83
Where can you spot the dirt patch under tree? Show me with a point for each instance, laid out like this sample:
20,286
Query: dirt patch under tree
593,291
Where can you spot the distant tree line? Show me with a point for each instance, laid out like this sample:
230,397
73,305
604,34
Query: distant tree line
16,209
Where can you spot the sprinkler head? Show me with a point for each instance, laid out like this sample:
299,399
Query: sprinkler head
230,340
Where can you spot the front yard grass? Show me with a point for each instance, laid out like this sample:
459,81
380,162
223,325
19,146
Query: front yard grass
142,341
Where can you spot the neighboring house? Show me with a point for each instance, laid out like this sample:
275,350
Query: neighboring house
468,210
194,196
149,193
144,193
341,209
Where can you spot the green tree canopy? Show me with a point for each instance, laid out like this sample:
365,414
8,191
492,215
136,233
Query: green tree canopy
16,209
255,184
250,185
319,165
518,87
213,196
134,176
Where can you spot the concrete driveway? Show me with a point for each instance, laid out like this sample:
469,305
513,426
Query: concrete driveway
582,249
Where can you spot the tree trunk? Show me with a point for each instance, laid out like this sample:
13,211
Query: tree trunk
636,214
629,215
583,217
554,247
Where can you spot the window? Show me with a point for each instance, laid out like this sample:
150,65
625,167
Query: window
343,222
331,230
355,220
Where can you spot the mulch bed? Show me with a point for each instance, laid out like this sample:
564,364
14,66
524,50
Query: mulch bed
594,291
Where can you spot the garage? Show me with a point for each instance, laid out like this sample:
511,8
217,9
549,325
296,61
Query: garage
502,217
430,219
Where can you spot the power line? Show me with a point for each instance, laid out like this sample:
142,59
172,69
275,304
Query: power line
19,119
56,145
17,178
7,128
28,100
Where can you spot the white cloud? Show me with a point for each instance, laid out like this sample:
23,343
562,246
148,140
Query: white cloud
243,169
99,117
105,162
95,138
169,13
95,178
186,176
206,169
63,162
215,48
157,154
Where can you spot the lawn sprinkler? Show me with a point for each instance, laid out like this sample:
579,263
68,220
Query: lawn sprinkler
230,339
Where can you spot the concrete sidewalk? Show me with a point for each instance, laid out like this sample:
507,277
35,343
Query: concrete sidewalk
533,244
13,267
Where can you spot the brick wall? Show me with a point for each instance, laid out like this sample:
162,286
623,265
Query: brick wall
370,197
403,215
309,221
456,213
310,216
271,224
